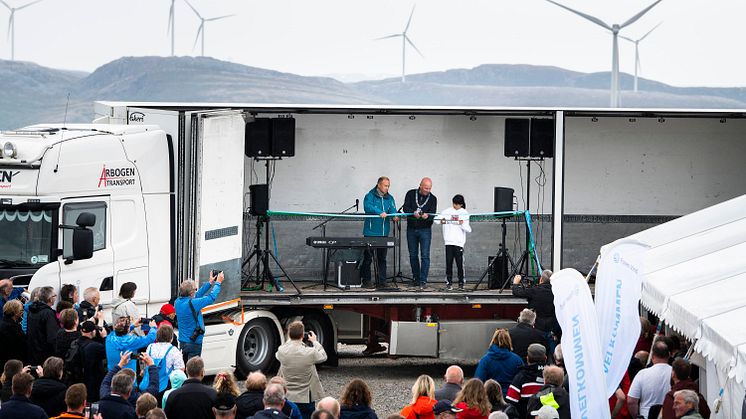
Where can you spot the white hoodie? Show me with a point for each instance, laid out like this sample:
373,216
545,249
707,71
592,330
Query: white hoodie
454,234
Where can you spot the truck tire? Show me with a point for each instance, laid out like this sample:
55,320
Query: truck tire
257,346
321,324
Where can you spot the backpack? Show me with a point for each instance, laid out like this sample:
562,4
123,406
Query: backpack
74,363
163,373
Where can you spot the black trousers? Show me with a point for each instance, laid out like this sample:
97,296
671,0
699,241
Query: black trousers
457,253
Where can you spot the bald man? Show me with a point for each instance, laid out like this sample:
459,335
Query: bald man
454,379
422,204
7,293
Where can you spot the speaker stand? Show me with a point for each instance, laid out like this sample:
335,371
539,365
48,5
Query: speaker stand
501,251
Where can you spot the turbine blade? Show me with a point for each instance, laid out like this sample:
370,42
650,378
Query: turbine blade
396,35
410,19
197,37
413,46
627,39
634,18
10,23
193,9
654,28
6,5
170,18
28,4
218,18
593,19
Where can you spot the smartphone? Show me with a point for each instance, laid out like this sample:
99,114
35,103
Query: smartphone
94,410
216,273
134,356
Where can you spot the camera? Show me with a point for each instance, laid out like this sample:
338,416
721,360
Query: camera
145,320
197,332
134,356
93,409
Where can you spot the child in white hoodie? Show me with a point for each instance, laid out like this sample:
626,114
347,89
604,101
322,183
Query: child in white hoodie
455,222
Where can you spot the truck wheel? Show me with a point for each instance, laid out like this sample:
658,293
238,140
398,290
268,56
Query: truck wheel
321,324
257,345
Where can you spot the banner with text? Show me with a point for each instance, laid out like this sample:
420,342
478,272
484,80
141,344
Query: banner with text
618,290
581,345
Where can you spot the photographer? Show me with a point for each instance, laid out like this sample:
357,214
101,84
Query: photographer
298,367
188,312
123,340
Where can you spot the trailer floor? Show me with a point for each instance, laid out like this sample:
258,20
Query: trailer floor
313,292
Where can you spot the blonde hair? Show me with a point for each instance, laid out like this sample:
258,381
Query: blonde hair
424,386
501,338
475,396
225,383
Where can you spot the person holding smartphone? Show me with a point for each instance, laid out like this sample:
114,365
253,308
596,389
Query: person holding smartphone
189,315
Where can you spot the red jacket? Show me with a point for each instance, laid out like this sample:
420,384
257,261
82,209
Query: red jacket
667,410
422,409
469,412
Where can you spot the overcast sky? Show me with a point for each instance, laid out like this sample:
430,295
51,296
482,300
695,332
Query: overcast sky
700,42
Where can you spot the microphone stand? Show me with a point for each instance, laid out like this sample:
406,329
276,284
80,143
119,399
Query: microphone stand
322,226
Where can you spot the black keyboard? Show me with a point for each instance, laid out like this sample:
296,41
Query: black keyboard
350,242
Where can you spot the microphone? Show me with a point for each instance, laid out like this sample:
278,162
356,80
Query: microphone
357,205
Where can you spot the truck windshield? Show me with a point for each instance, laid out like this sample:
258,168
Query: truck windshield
26,236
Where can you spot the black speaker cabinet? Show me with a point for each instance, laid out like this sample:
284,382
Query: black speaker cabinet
503,199
258,138
542,138
259,199
498,272
348,274
283,137
516,137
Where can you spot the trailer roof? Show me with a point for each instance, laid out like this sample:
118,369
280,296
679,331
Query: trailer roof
434,110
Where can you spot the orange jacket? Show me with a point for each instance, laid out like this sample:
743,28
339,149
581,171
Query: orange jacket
422,409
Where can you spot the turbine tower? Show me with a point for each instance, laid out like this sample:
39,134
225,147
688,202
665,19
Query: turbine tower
404,40
171,25
201,29
637,50
614,29
12,25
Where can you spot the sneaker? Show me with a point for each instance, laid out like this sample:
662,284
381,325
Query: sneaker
423,287
460,287
449,287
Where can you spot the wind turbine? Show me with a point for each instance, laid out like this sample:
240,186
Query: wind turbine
404,40
171,25
12,25
201,29
637,50
614,29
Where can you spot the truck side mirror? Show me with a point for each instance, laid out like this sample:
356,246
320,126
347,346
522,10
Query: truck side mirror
82,237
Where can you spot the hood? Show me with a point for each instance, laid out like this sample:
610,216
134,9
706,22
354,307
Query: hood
374,191
424,406
177,378
117,301
38,306
357,412
469,412
498,354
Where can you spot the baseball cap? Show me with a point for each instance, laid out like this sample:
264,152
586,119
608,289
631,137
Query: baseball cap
445,405
167,309
87,326
224,402
536,351
546,412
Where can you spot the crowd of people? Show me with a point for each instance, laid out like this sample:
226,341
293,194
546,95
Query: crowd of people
70,362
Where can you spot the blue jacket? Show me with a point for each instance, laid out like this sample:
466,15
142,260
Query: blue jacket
374,204
21,407
24,320
105,389
500,365
13,295
184,315
115,345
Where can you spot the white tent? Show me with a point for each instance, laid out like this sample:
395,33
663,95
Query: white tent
695,281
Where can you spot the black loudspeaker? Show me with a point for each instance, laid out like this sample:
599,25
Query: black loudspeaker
516,137
259,199
283,137
542,138
348,274
503,199
258,138
498,272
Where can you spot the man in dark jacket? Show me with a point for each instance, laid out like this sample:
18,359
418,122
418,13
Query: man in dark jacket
19,405
93,358
250,401
193,399
153,378
421,203
454,379
529,379
524,334
11,335
49,391
552,393
680,377
116,404
42,326
540,299
8,293
274,399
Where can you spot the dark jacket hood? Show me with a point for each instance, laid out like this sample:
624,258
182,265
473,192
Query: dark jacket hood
497,353
38,306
